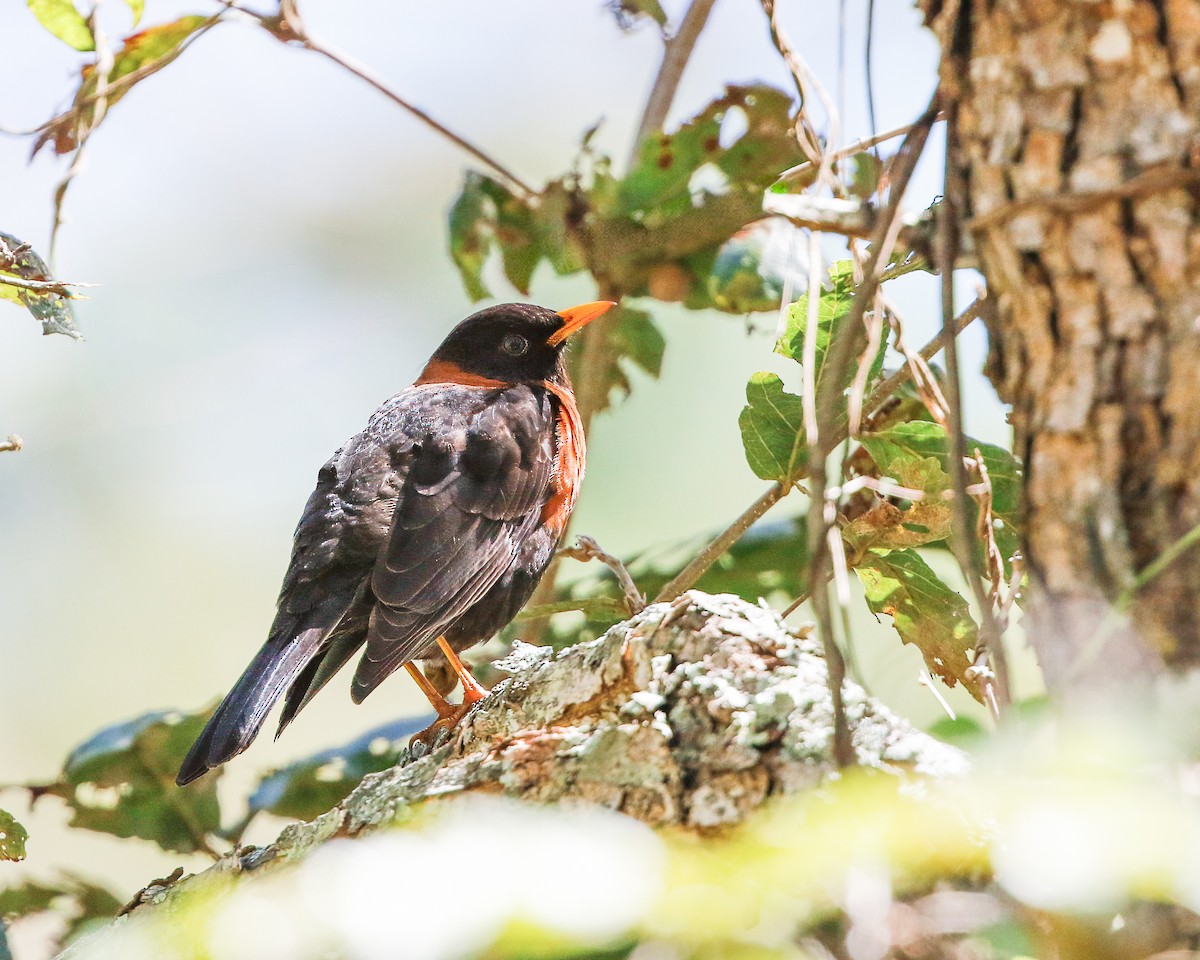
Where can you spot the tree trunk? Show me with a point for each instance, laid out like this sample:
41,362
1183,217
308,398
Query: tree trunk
1073,127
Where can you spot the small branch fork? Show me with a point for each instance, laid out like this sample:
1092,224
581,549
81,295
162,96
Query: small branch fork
586,549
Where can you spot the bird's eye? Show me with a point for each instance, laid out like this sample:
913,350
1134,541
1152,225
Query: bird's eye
514,345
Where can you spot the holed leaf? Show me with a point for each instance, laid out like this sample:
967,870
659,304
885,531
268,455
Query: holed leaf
307,788
745,136
52,308
63,20
141,54
122,781
12,837
925,612
772,426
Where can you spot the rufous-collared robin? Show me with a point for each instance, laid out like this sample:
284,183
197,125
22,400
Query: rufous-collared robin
427,530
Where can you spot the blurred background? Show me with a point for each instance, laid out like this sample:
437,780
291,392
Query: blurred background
269,239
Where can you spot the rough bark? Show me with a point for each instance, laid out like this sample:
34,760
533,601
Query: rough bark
1074,130
692,713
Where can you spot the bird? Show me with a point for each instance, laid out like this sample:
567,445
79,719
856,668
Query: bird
428,530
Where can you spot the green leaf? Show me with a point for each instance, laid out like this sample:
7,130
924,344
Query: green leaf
835,304
638,340
772,425
149,49
660,180
470,233
137,8
864,180
122,781
12,837
52,309
631,339
925,612
64,21
628,11
309,787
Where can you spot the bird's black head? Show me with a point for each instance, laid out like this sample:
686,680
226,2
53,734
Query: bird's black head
509,343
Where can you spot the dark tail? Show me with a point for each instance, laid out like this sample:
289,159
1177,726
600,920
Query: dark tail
241,714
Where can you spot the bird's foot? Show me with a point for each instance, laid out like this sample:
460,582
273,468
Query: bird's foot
447,721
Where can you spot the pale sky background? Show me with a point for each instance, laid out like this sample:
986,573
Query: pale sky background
269,237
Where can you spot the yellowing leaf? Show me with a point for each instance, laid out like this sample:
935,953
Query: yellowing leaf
145,51
925,612
63,20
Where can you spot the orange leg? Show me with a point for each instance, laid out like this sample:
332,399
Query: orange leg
439,703
448,713
473,690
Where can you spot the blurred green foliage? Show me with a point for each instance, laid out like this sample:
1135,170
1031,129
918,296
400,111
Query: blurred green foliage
1065,844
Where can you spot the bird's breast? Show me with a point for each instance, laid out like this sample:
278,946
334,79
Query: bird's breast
570,456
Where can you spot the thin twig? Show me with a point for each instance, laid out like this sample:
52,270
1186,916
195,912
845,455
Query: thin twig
884,391
60,287
289,28
843,347
963,539
723,541
801,170
806,84
121,84
677,50
586,549
592,605
12,444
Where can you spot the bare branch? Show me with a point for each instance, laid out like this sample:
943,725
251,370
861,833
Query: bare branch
12,444
677,50
722,542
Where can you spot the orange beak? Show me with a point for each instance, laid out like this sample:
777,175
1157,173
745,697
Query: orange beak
576,318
